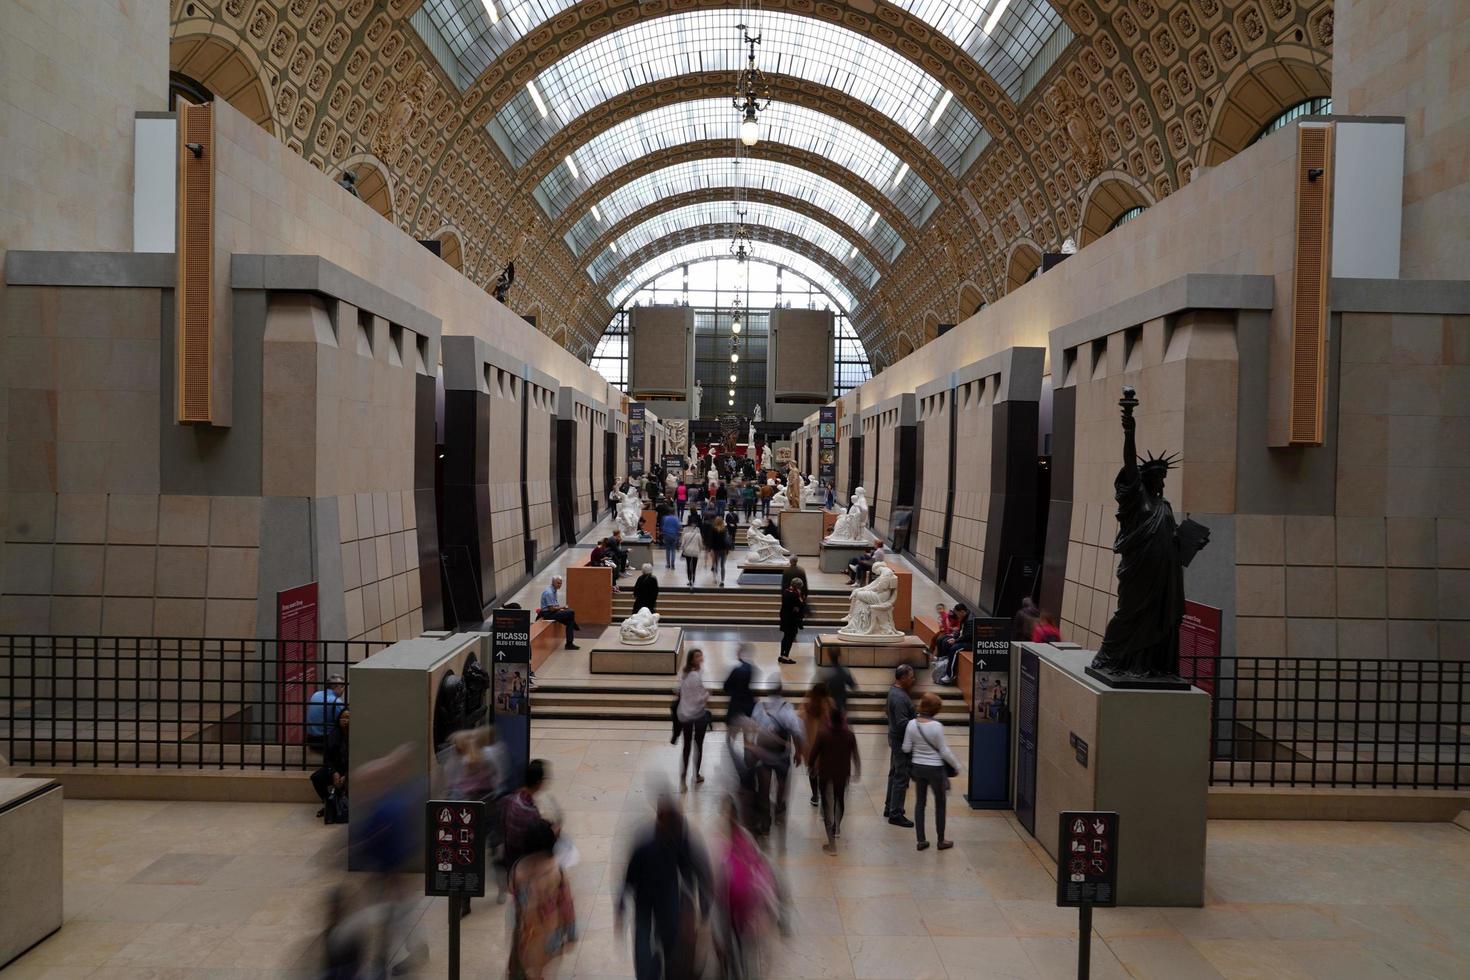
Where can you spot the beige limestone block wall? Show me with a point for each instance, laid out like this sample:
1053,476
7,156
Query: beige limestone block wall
1228,220
270,200
881,492
1409,60
1389,574
540,421
870,430
1185,370
337,420
934,489
506,526
975,403
72,73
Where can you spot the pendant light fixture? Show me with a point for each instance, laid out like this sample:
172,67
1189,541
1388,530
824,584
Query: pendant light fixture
752,91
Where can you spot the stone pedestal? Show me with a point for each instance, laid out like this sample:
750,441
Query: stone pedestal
589,594
30,854
650,521
857,652
610,655
903,603
836,556
1142,753
801,531
393,694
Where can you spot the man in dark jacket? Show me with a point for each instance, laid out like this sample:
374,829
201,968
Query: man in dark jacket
665,866
645,591
737,687
793,571
900,711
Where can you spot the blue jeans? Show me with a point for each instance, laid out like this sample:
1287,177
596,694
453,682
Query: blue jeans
671,547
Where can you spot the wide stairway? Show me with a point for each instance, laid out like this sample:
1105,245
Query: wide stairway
745,606
649,700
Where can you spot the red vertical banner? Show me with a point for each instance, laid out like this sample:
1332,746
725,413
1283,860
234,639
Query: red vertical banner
296,667
1199,645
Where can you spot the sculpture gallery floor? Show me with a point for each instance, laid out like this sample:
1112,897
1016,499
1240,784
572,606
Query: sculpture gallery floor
186,890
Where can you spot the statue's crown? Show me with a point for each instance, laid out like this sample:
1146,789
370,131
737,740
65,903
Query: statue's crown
1165,462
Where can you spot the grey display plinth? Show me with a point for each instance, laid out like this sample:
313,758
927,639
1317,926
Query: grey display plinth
857,652
610,655
1146,756
801,531
392,694
836,556
30,856
640,553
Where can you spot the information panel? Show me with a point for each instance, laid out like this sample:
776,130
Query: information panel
1087,869
990,713
296,658
827,445
454,851
1028,682
637,416
510,685
1199,645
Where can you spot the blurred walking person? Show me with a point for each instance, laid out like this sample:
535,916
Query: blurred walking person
814,712
777,746
545,922
749,900
834,760
668,877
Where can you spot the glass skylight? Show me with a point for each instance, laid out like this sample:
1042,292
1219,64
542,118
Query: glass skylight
704,41
725,212
760,252
714,119
475,37
733,172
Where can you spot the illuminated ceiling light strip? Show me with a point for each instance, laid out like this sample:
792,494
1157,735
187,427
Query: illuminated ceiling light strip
939,109
853,253
596,213
536,98
898,177
572,166
994,18
613,246
490,11
872,221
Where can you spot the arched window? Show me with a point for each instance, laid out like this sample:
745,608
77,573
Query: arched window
1321,106
1127,216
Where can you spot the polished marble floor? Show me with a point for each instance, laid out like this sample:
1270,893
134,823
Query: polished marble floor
183,890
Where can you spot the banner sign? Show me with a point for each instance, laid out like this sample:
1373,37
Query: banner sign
296,673
636,442
990,713
674,463
1199,645
454,852
510,685
1028,684
827,445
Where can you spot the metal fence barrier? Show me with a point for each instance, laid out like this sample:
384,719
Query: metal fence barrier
168,702
1341,722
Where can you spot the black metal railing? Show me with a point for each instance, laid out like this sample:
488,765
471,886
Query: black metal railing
168,702
1341,722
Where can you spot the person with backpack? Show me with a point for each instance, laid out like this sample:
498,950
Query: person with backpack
932,765
777,745
668,529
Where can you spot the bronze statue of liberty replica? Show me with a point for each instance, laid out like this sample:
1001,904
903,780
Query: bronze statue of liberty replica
1141,646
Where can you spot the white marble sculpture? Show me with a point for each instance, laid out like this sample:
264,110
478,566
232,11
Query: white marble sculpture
763,548
627,511
766,458
698,397
678,436
811,493
750,437
870,616
641,628
779,500
852,527
757,413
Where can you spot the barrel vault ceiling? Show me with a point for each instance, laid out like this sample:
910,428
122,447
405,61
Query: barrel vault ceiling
918,155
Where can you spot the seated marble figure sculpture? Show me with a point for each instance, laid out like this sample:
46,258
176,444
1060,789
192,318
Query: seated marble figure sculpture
763,548
852,527
627,511
870,615
639,628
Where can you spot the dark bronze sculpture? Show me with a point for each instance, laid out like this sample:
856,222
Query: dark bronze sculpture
1141,645
506,279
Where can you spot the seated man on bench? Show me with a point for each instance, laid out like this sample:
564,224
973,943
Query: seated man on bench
551,608
947,645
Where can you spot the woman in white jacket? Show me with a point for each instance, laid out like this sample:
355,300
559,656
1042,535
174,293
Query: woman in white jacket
691,546
929,753
692,714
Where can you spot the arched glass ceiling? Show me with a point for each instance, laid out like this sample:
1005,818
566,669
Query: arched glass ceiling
760,252
725,172
725,212
1004,36
709,41
714,119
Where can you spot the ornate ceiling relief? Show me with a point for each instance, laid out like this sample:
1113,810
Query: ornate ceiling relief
1136,96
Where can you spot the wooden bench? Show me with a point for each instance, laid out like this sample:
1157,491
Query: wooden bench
926,628
547,636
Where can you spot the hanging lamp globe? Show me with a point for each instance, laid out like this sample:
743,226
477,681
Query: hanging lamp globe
750,127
